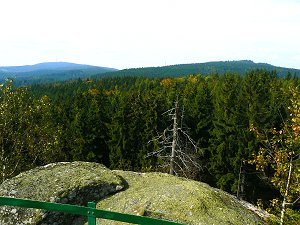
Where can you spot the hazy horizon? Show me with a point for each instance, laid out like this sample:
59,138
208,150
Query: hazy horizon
144,67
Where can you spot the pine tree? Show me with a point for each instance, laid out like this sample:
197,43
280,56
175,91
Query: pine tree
226,143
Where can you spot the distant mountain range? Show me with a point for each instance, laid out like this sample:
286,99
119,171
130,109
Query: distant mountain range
50,71
241,67
60,71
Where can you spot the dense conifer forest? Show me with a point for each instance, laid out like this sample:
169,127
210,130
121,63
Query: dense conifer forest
219,67
115,120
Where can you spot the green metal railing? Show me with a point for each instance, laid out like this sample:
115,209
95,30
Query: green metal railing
91,212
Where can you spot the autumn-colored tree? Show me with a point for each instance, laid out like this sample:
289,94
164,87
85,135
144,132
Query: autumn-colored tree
279,156
167,82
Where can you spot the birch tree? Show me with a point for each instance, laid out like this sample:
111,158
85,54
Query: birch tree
281,150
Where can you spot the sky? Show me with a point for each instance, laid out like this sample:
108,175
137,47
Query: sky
141,33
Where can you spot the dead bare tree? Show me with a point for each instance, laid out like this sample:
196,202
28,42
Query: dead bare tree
177,149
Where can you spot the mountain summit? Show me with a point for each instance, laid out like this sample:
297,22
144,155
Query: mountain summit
50,71
218,67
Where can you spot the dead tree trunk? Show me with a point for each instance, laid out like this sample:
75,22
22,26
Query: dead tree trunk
177,149
174,141
241,183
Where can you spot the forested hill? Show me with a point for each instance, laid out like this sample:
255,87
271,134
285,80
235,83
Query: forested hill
60,71
49,72
221,67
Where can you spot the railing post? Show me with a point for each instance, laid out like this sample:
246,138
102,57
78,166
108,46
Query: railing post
90,211
91,214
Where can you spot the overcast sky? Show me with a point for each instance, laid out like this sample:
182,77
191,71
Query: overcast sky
140,33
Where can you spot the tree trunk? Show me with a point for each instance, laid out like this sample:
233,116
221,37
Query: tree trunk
2,160
174,142
241,183
286,193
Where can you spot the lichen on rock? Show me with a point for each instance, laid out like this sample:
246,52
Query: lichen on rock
154,195
177,199
73,183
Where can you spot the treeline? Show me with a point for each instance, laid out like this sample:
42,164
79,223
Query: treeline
49,72
219,67
113,120
49,76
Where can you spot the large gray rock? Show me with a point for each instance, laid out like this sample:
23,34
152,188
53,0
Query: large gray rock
72,183
181,200
149,194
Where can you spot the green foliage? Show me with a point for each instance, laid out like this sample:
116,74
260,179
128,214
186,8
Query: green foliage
111,121
28,133
278,156
292,217
241,67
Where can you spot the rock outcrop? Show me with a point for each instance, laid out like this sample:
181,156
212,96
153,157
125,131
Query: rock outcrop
72,183
148,194
181,200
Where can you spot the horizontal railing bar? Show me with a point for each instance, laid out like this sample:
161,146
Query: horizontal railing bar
50,206
84,211
131,218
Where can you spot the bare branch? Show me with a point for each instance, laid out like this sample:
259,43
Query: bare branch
294,202
176,144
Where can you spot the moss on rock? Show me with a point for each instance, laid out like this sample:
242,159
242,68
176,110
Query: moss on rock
72,183
149,194
163,196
